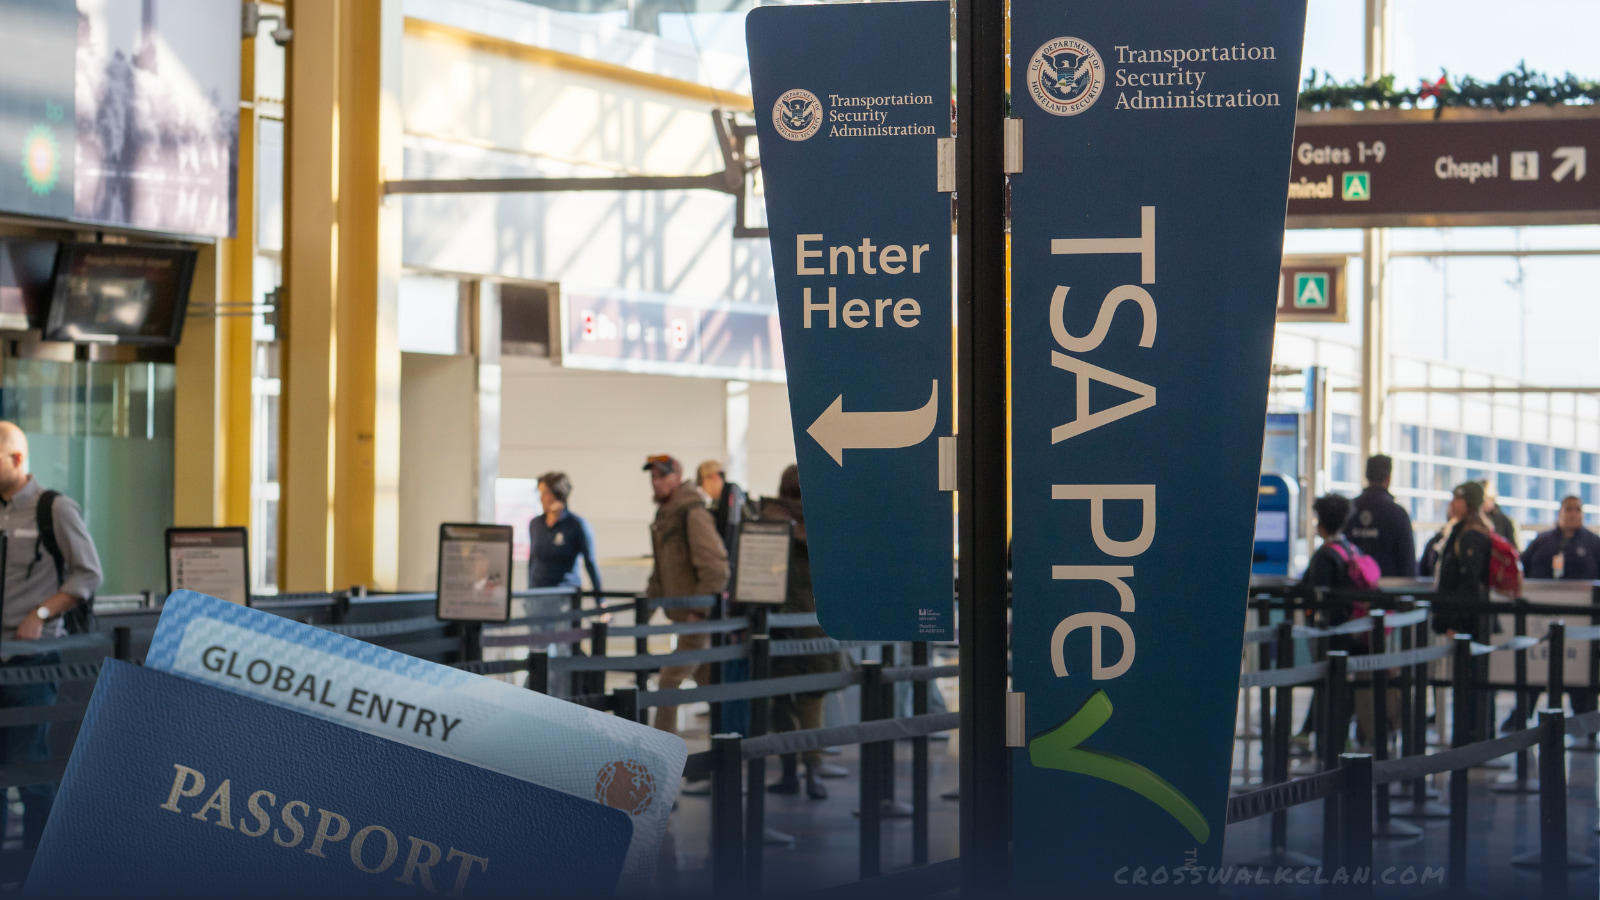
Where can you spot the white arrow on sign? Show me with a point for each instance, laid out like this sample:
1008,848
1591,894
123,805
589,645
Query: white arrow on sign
1574,161
837,430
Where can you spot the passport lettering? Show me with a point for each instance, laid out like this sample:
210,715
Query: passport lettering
374,849
318,689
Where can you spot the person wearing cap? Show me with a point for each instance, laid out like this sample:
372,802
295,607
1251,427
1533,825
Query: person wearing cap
1463,567
727,504
557,538
689,561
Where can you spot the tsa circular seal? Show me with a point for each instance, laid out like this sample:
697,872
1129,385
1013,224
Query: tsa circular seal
1065,76
797,115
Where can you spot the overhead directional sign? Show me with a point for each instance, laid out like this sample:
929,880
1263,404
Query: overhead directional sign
1147,232
850,102
1469,167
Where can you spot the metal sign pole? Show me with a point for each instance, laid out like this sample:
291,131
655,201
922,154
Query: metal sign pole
981,441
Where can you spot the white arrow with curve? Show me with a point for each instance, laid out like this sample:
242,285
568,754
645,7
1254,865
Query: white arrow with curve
1574,161
837,430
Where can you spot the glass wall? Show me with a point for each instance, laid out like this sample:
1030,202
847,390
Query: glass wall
102,433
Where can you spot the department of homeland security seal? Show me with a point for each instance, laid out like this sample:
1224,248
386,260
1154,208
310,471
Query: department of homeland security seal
797,115
1065,76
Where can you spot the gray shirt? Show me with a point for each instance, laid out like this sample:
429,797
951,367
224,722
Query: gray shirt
30,572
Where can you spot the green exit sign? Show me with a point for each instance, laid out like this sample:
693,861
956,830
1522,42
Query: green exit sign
1311,290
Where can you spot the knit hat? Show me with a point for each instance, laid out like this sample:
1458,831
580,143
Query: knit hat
1471,493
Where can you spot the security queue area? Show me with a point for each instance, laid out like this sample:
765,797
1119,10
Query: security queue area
898,449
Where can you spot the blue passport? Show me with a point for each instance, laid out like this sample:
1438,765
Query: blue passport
177,789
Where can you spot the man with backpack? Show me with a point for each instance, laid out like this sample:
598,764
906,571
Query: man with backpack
690,560
51,574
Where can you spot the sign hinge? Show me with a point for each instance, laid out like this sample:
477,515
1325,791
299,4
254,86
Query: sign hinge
947,165
1016,719
1013,148
947,463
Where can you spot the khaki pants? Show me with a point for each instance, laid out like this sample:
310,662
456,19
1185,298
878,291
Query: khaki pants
799,712
672,676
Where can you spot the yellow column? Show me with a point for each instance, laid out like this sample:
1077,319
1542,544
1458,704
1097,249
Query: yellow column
340,401
213,397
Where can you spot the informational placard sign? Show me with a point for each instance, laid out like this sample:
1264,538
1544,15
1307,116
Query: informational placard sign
1147,231
474,573
851,101
763,573
1467,167
214,561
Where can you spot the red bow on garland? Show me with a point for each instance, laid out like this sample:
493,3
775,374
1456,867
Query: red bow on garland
1435,89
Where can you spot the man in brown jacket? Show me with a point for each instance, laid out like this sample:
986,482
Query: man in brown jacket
690,560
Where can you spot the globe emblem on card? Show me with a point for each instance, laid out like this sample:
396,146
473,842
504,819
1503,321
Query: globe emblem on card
1065,76
797,115
626,785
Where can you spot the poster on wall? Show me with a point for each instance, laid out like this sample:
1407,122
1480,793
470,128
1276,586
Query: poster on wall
212,561
157,120
474,573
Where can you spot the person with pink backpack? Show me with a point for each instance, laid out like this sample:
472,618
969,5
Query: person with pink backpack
1338,565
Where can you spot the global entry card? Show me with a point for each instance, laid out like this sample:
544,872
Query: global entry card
433,707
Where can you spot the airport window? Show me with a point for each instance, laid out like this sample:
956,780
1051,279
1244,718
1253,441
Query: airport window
430,315
1344,467
1342,430
1538,456
1477,447
1477,475
1561,459
1586,463
1446,443
1416,475
1564,489
1410,439
1506,484
1508,452
1445,478
1586,491
1538,487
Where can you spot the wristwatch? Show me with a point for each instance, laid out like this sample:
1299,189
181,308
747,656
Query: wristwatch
43,613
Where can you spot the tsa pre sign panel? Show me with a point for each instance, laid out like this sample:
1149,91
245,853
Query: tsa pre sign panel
850,103
1147,230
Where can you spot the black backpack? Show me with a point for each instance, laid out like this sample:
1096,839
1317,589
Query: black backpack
80,618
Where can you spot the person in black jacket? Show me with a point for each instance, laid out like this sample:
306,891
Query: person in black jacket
1464,564
727,505
1568,551
1379,526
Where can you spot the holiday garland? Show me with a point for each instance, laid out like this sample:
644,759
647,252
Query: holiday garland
1515,88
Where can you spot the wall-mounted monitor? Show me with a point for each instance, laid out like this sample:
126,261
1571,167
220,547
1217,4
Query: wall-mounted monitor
27,270
120,293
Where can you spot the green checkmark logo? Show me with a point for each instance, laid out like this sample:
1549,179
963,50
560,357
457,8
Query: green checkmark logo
1058,749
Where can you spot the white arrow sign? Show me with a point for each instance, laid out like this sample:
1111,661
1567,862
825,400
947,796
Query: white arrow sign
837,430
1575,161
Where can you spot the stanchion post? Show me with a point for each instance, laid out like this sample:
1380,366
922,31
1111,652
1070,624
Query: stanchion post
1418,742
1378,644
919,761
1355,851
1553,802
599,632
1555,686
122,643
1519,627
888,709
755,807
719,611
625,703
471,641
339,613
1281,722
871,773
641,644
1263,663
539,670
1461,708
727,835
1335,729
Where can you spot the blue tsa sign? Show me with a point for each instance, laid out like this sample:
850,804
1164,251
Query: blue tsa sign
1147,231
850,103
